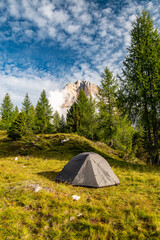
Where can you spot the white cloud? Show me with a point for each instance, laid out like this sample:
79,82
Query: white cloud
60,17
47,11
85,19
57,99
29,33
17,83
13,8
72,28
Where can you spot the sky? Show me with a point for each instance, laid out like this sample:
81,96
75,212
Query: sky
46,44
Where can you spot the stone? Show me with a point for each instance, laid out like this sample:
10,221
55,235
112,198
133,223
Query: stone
72,90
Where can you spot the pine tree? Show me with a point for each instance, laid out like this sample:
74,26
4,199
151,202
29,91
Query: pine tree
107,107
18,127
87,115
62,124
73,118
140,85
32,117
6,112
56,122
43,115
81,116
26,104
26,108
15,113
83,105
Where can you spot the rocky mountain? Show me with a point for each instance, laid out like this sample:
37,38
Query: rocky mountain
72,91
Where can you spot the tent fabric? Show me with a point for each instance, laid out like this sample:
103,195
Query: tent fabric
88,169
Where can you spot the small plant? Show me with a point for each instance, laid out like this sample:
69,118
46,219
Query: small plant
18,127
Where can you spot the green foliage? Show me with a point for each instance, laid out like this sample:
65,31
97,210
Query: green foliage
56,122
81,116
73,118
107,107
43,115
86,115
140,85
124,134
18,127
15,112
6,112
62,124
28,109
113,128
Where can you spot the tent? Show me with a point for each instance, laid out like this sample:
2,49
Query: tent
88,169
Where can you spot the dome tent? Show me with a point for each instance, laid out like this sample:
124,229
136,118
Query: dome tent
88,169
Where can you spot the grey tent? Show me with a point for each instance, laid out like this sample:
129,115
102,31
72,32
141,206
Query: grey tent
88,169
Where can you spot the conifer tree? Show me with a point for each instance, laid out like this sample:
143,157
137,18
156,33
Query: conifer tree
62,124
26,104
81,116
43,115
18,127
6,112
107,107
56,122
26,108
87,115
73,118
15,112
140,84
32,117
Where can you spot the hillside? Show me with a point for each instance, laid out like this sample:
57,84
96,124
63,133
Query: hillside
33,206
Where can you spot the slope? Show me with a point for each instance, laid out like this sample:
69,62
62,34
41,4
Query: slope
33,206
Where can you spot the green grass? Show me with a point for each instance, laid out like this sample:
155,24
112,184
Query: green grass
128,211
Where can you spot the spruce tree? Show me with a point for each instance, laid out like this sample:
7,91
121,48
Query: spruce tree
43,115
62,124
56,122
81,116
15,112
18,127
140,85
26,108
73,118
6,112
87,115
107,107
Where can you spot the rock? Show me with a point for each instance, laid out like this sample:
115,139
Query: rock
71,218
37,189
65,140
79,214
75,197
72,91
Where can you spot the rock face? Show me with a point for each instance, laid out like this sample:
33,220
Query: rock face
72,91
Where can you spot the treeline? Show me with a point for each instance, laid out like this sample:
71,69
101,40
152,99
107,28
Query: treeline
96,119
126,112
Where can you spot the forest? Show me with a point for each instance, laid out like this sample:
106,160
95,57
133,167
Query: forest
126,113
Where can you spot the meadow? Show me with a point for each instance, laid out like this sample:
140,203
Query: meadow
130,210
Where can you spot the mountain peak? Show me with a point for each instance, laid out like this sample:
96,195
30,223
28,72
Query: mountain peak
72,91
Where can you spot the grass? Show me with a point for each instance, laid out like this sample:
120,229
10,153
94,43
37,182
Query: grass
128,211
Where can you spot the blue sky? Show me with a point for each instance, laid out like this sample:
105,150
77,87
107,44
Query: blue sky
45,44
